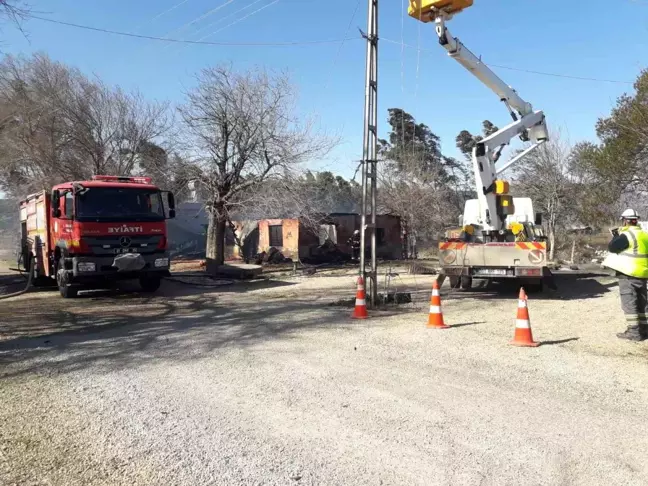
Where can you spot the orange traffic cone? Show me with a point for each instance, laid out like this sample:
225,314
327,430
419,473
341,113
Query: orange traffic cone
360,311
523,335
435,319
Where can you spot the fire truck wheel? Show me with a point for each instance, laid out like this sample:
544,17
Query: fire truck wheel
150,284
62,281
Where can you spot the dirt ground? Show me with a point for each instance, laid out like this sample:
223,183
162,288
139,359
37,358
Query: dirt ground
268,383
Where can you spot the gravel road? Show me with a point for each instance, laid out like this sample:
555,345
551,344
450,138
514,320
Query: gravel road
267,384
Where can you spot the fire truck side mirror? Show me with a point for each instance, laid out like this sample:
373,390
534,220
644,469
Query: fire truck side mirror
56,204
171,203
538,219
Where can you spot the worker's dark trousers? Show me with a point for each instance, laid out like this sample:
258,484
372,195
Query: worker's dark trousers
634,300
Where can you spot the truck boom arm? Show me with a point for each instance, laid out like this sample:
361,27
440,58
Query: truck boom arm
477,68
528,124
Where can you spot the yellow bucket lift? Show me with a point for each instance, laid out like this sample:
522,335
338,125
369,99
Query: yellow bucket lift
423,9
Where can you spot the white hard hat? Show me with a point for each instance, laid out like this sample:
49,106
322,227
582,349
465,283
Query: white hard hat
629,214
356,232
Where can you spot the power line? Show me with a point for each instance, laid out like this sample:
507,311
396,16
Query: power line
402,73
160,14
239,20
339,49
200,17
187,41
556,75
215,22
169,10
233,14
297,43
530,71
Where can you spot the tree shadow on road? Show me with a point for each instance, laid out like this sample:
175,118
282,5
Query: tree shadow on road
137,330
569,287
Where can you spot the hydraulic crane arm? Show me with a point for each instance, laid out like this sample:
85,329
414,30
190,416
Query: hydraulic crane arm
494,202
472,63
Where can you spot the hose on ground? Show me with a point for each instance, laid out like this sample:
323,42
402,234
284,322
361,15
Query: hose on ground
221,283
29,282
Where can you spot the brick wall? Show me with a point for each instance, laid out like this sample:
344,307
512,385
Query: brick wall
289,233
391,246
298,241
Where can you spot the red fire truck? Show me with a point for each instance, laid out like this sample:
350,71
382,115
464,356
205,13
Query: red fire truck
86,234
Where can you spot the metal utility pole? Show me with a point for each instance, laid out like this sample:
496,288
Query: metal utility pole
369,153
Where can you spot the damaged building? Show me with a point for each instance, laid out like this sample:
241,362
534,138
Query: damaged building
300,239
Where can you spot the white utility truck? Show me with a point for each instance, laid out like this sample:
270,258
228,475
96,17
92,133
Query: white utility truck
501,237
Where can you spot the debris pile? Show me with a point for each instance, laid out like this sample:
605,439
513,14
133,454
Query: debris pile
328,252
272,257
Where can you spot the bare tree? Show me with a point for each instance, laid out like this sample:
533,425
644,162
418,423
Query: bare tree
33,151
110,127
544,176
243,129
310,196
15,11
421,198
58,124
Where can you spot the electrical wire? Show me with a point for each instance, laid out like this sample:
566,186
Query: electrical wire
339,49
418,61
542,73
239,20
215,22
403,69
298,43
556,75
233,14
161,14
200,17
196,42
403,48
168,10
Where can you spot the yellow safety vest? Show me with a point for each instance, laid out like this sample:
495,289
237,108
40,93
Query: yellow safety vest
632,261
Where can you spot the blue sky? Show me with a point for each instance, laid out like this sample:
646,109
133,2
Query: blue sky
585,39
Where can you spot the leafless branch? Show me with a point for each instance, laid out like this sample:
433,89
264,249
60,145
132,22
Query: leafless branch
58,124
244,130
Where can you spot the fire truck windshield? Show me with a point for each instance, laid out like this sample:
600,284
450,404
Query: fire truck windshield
119,203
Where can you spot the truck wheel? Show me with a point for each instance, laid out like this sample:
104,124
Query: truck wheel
466,282
62,281
150,284
455,282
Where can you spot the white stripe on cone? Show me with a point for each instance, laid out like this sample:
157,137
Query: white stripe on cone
435,293
361,302
522,303
522,324
435,309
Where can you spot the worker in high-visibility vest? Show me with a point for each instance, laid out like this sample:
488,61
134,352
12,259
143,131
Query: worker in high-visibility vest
628,255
